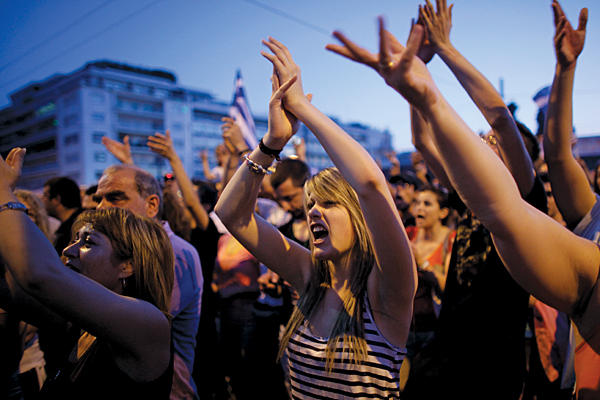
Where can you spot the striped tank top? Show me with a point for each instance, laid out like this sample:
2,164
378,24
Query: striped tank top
377,377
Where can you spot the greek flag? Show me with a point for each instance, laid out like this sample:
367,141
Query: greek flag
240,111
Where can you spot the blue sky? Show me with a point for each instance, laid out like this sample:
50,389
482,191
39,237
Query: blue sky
205,42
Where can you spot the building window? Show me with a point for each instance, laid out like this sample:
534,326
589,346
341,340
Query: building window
100,156
98,117
97,137
46,109
98,174
70,120
97,98
72,158
71,139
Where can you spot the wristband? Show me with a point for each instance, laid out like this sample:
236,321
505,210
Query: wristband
14,205
269,151
256,168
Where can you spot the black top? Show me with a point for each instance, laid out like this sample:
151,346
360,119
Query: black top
479,349
96,376
62,236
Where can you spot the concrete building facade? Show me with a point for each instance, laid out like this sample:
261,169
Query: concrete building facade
62,119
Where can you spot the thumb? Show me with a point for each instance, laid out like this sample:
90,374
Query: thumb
126,140
309,97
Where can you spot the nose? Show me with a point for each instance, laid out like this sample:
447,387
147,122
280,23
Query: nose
314,211
71,250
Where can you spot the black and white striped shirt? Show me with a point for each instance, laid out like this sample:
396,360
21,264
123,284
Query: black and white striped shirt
377,377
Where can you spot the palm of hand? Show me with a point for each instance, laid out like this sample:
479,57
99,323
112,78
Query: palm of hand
571,45
412,81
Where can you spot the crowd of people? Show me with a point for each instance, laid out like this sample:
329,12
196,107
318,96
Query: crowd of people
473,274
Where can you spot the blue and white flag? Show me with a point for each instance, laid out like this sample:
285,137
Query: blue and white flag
240,111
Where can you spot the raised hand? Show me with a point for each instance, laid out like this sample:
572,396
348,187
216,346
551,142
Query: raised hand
399,66
426,51
285,68
163,145
232,136
10,169
437,23
204,155
122,151
568,43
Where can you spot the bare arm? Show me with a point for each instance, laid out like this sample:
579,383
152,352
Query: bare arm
546,259
136,327
394,281
423,142
163,145
573,194
236,205
486,98
205,167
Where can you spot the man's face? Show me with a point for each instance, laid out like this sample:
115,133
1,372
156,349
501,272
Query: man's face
118,189
291,198
49,204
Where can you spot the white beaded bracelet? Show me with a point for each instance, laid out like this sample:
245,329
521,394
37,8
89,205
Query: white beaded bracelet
256,168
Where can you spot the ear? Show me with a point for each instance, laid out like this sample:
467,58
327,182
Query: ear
444,212
152,206
125,269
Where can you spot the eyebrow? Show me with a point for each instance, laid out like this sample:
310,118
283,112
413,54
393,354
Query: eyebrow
108,195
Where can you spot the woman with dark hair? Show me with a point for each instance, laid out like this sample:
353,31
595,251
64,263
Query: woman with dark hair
346,337
431,242
115,292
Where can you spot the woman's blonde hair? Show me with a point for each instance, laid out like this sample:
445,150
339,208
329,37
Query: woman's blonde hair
145,244
35,209
329,185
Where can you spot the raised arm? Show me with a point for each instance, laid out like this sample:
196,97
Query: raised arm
571,189
423,141
236,205
138,330
546,259
163,145
205,167
484,95
392,285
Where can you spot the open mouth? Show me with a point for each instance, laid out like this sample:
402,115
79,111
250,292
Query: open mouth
318,231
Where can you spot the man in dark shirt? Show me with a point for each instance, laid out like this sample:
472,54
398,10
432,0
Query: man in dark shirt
62,200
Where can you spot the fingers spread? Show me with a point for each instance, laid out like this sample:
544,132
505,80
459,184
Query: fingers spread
412,46
394,44
583,18
342,51
360,55
384,54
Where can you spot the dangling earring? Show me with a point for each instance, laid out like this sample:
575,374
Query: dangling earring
123,283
